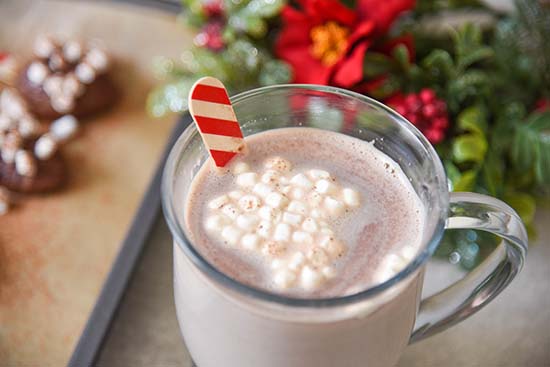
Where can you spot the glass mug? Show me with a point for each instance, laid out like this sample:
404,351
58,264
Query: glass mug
227,323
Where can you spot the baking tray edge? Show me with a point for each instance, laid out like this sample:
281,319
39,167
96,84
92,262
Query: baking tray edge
98,323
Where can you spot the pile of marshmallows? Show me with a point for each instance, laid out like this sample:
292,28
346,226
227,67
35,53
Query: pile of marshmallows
284,217
64,70
16,126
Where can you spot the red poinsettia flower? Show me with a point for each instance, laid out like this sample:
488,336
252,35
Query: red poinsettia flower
325,42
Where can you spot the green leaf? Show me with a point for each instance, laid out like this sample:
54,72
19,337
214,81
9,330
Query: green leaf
265,8
522,149
469,148
473,119
401,54
453,173
524,204
376,64
542,165
493,172
466,182
439,63
275,72
480,54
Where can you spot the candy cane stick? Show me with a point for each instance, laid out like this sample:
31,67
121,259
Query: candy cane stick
212,111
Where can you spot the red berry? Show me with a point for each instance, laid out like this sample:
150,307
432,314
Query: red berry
400,109
412,102
413,119
434,135
440,123
429,110
427,95
213,8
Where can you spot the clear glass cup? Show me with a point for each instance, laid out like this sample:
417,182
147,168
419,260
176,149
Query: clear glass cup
227,323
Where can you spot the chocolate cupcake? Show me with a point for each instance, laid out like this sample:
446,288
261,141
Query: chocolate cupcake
30,160
66,78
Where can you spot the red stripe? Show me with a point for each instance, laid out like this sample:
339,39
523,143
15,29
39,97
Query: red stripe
210,94
208,125
221,158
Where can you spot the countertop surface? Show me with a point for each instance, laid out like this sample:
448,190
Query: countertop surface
514,330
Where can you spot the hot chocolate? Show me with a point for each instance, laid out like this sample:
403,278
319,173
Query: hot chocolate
307,213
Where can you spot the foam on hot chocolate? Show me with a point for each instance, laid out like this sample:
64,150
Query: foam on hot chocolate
307,213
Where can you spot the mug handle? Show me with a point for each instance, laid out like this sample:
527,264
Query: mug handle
468,295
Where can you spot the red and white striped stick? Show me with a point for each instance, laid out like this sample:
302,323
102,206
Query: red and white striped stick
212,111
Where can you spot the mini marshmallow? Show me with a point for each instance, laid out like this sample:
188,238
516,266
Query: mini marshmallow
309,278
277,264
316,213
85,73
318,257
219,202
333,206
310,225
264,229
297,207
394,262
278,164
270,214
284,278
64,128
43,46
302,237
271,177
325,230
45,147
216,223
282,232
318,174
235,195
275,249
247,222
297,193
249,203
297,260
71,86
247,179
25,164
250,241
285,190
28,126
325,187
72,51
292,219
328,272
98,59
12,105
314,199
276,200
408,252
231,235
302,181
240,167
53,85
8,155
37,73
62,103
6,123
230,211
261,189
351,197
333,247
